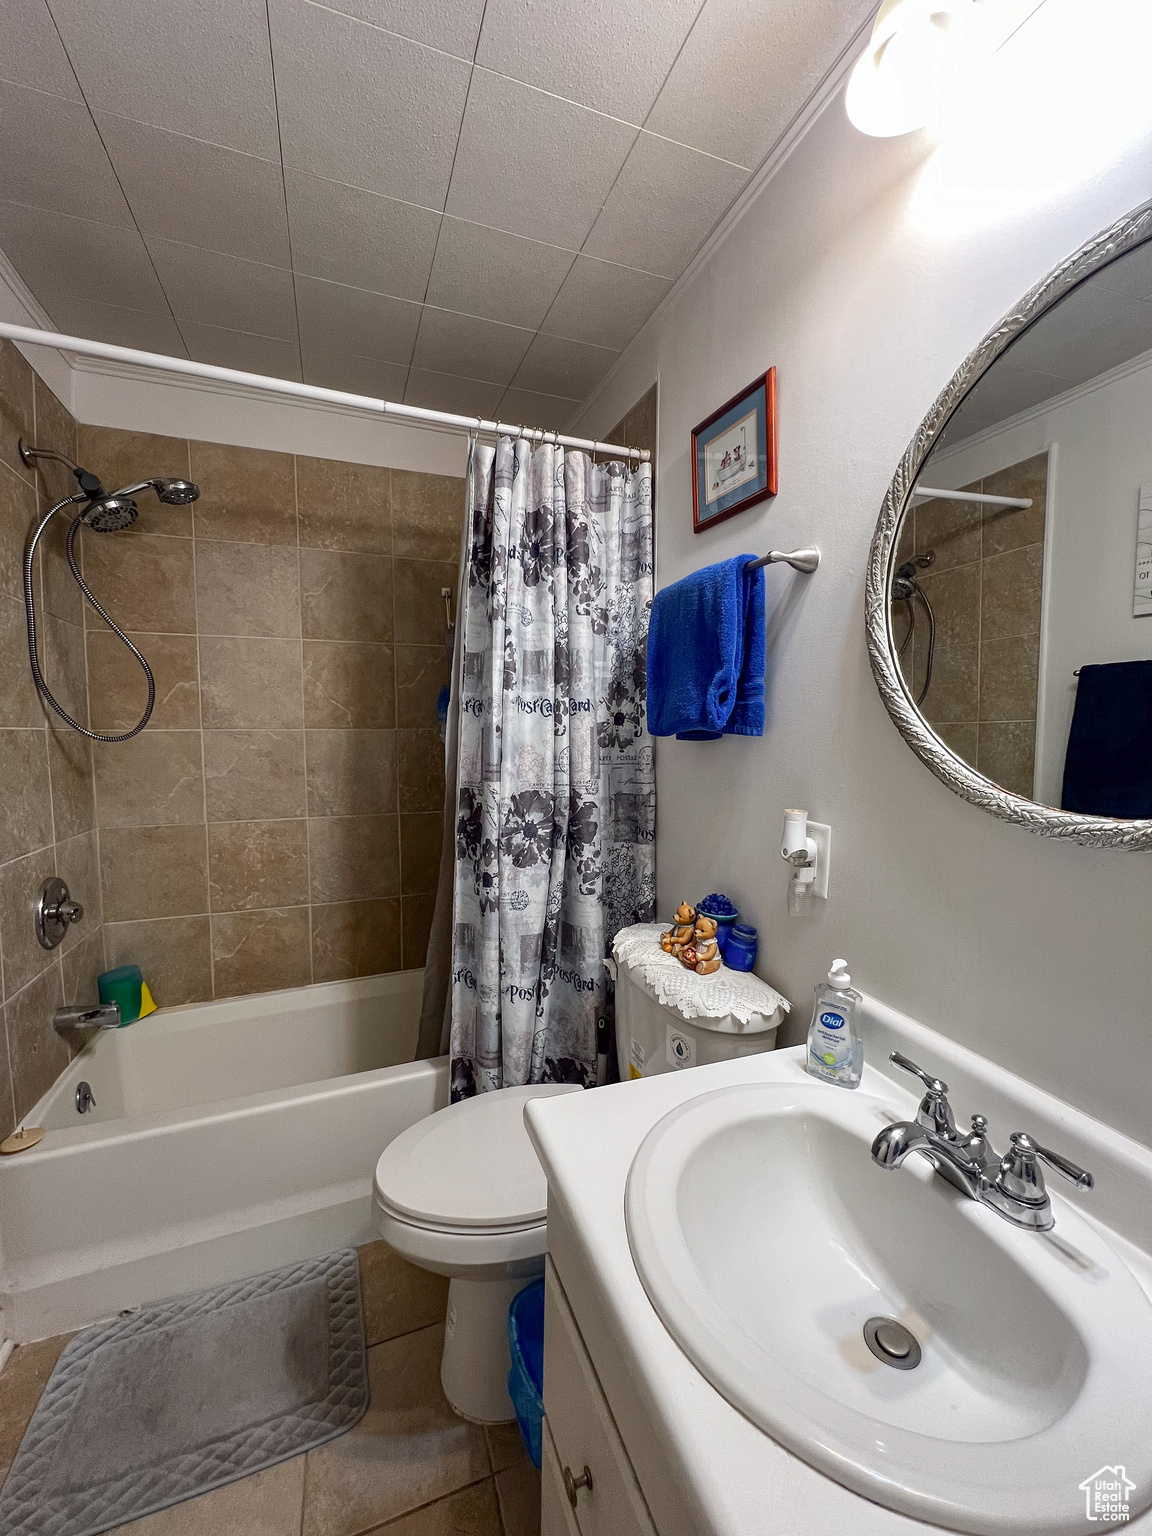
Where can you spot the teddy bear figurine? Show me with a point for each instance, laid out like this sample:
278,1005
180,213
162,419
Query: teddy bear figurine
705,946
679,937
692,939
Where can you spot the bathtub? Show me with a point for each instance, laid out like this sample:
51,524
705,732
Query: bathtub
226,1138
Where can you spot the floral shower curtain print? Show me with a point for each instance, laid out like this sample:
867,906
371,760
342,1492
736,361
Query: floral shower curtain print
555,782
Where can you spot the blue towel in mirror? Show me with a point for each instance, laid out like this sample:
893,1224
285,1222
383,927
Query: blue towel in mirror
706,654
1108,765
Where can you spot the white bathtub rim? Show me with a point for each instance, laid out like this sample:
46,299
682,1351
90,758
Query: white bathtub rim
191,1016
77,1139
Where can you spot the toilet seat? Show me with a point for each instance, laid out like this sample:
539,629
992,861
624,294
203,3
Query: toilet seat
468,1168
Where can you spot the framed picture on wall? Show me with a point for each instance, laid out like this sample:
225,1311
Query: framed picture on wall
734,455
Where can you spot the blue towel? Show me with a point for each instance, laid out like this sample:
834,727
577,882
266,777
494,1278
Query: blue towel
706,653
1108,764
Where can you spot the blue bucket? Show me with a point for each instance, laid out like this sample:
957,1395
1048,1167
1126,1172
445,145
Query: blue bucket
526,1378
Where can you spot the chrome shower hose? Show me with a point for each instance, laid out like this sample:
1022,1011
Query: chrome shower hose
30,615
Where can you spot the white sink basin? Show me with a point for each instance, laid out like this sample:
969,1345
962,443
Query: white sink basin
766,1238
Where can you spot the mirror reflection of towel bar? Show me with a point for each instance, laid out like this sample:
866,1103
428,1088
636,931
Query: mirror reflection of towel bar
977,496
805,560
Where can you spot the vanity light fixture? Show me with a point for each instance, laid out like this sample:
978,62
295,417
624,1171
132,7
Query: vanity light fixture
897,82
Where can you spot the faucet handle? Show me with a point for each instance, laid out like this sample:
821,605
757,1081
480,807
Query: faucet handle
1063,1165
1020,1176
933,1084
935,1112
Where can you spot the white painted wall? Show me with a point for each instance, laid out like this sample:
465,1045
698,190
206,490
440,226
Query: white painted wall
1100,440
866,282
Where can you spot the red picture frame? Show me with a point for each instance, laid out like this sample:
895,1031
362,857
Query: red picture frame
767,484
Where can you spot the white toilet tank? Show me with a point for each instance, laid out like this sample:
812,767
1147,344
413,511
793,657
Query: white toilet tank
654,1036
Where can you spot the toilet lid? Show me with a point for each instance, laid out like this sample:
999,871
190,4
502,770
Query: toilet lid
470,1165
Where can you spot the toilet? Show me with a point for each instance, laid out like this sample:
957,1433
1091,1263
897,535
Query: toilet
462,1193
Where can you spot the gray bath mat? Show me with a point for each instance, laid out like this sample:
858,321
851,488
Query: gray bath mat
187,1394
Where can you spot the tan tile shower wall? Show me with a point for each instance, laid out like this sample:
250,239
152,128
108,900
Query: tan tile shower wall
279,820
985,587
47,812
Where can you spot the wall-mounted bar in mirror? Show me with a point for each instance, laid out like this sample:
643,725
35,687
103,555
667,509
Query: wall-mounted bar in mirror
977,496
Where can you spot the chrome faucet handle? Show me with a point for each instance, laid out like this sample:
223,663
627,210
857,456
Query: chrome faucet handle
933,1084
1022,1179
935,1112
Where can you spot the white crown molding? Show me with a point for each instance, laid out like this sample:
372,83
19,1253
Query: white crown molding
1137,364
33,312
182,382
19,306
773,162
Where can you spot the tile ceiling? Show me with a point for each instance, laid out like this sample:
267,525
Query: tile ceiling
1101,325
466,204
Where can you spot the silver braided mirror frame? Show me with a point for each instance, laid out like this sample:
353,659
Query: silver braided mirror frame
1096,831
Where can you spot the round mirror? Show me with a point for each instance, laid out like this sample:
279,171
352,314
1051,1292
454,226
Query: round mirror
1010,579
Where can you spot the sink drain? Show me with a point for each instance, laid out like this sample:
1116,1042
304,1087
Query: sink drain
892,1343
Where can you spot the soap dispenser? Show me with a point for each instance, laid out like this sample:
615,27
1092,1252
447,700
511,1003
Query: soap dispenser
835,1046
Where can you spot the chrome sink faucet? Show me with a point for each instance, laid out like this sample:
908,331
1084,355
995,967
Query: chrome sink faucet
1015,1190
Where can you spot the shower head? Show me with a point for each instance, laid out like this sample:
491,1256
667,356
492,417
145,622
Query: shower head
109,514
176,493
172,492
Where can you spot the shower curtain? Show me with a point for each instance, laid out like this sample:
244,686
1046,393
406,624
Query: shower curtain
554,783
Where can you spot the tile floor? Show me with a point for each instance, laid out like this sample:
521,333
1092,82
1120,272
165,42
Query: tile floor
409,1468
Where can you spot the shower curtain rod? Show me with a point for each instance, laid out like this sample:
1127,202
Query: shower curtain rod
418,414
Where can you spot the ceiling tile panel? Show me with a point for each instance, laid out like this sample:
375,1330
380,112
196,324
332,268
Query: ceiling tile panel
523,407
747,68
239,349
122,327
53,158
446,392
201,194
604,304
354,374
503,277
555,366
362,106
202,69
59,256
1131,276
612,55
478,349
360,238
1003,392
452,25
532,164
31,52
666,201
334,318
225,291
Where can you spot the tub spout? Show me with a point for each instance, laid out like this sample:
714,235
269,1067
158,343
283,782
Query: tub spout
82,1022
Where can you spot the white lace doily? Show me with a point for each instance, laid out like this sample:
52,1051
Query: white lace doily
725,992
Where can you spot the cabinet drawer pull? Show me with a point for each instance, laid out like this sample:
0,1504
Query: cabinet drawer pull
573,1485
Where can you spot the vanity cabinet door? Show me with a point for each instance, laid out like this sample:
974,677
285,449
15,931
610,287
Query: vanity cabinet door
556,1517
584,1432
